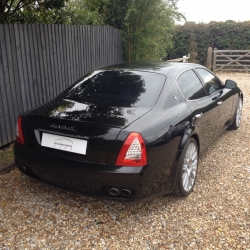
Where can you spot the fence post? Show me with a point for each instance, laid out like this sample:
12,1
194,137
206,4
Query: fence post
209,58
214,59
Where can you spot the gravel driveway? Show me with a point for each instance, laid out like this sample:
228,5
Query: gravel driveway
35,215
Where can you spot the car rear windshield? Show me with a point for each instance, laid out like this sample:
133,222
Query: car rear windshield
118,88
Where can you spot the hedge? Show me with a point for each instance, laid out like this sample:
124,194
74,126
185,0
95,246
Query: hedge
196,38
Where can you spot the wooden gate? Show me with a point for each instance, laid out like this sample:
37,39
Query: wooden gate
231,60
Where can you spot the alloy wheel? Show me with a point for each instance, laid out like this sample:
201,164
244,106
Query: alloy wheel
239,113
190,166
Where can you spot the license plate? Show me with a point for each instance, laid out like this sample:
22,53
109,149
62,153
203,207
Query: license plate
64,143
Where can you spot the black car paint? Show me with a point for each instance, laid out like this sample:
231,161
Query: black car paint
165,128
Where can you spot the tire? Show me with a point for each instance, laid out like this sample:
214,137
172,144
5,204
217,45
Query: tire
187,169
237,117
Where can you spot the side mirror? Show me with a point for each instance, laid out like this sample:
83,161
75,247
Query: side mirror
230,84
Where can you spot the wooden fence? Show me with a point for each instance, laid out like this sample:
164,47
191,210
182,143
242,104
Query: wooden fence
37,62
229,60
181,59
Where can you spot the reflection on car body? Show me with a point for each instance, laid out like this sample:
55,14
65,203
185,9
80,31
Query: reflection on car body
144,126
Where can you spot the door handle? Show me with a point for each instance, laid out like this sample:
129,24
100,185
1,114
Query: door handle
215,98
196,117
219,103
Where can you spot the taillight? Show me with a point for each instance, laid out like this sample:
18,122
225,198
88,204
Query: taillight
133,152
19,132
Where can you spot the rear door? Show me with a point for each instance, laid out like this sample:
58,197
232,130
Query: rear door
221,95
204,108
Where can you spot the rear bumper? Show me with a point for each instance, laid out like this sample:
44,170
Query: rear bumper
94,179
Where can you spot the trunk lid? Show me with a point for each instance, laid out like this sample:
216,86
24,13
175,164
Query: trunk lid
99,125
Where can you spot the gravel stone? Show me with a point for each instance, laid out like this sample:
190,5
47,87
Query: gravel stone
36,215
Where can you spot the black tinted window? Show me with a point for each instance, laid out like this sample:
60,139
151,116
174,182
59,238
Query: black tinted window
190,85
211,83
118,88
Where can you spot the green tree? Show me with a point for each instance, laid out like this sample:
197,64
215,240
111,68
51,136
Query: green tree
147,25
87,12
31,11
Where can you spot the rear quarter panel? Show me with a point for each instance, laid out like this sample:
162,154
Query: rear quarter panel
163,129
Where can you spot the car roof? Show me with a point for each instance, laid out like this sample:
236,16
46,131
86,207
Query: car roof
157,67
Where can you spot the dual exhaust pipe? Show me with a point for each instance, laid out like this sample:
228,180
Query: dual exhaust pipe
123,192
22,167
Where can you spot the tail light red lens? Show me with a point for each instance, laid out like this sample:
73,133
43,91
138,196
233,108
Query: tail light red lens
133,152
19,132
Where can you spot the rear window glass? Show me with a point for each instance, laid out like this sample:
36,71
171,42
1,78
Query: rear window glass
191,86
118,88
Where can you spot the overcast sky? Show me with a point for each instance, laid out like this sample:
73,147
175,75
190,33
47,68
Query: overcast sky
215,10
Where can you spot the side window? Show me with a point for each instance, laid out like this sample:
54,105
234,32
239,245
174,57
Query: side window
211,83
190,85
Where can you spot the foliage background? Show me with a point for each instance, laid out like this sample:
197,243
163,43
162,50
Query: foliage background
196,38
146,25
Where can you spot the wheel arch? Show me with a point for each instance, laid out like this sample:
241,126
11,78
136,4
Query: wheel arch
190,133
241,96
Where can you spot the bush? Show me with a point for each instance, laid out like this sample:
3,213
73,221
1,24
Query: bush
196,38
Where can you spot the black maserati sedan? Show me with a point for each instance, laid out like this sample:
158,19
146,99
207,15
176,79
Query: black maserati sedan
128,131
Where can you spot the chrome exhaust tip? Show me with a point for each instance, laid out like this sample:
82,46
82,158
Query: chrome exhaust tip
126,192
114,191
